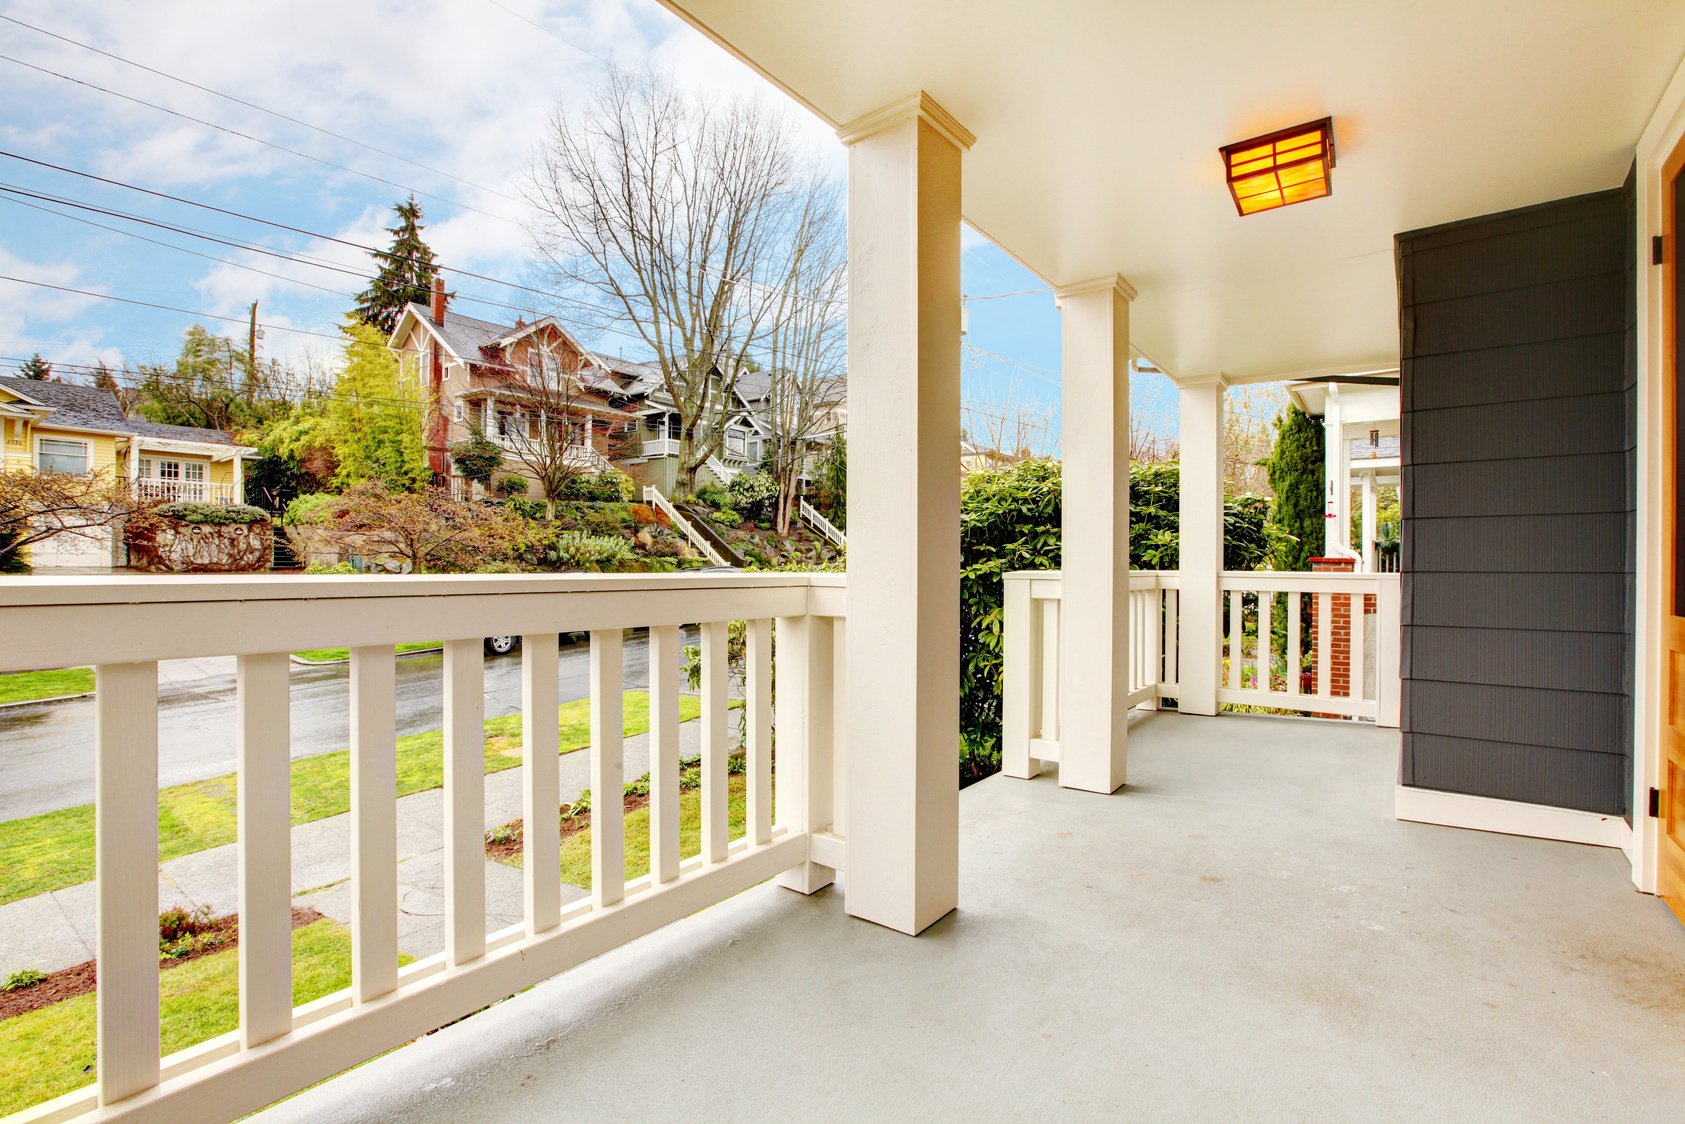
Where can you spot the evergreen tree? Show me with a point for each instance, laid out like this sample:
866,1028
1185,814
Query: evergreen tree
374,420
104,377
1295,467
406,272
37,368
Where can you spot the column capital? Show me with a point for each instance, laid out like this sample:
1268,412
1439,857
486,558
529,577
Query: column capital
920,107
1108,281
1195,382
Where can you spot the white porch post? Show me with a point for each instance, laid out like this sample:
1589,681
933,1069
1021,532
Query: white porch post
1336,484
1199,647
1370,562
1094,651
904,555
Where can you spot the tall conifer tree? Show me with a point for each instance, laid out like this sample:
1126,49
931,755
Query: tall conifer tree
37,368
1295,467
406,274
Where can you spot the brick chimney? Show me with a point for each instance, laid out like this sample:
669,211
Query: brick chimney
439,300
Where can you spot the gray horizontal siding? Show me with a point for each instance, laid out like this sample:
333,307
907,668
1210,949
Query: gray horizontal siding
1516,439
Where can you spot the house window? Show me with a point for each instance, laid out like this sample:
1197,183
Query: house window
505,423
458,409
533,426
62,456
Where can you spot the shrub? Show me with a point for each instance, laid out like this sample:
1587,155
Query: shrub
726,517
606,519
612,486
188,511
312,507
752,493
22,978
576,550
646,516
510,486
325,568
531,510
713,495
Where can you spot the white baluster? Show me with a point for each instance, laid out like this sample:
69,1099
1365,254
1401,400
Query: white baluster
1266,608
374,823
465,800
1020,680
126,869
716,675
1051,613
608,768
1237,636
541,788
1295,642
758,716
804,710
1359,659
664,659
263,781
1172,627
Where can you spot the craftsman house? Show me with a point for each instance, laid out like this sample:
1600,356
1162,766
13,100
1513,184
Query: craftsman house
69,427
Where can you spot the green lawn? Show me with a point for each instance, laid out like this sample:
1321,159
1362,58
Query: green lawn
339,655
24,686
50,1051
576,848
56,849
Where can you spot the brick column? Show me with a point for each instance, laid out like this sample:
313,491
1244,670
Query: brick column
1339,631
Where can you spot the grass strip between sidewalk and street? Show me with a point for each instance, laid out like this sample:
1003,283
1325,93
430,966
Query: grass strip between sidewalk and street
54,850
28,686
343,655
48,1052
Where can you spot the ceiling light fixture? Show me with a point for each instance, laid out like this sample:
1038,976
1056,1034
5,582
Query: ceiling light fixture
1280,168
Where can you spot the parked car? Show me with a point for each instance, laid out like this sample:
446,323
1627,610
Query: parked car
504,645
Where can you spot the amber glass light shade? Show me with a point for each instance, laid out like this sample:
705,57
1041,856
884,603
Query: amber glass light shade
1288,166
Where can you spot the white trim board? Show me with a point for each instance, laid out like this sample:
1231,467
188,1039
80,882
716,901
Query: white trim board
1510,817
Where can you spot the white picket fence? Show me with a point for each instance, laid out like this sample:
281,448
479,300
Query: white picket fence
124,626
1263,671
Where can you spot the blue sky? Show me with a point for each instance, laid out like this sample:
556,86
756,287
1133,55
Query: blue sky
456,93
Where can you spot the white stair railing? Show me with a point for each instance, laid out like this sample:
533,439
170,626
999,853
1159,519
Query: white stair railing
719,468
655,499
818,522
278,1048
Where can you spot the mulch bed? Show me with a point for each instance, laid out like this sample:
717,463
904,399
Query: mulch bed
572,825
79,979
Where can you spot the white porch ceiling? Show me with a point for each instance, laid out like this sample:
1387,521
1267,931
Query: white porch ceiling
1098,123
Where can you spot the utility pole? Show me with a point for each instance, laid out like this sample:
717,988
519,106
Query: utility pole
251,347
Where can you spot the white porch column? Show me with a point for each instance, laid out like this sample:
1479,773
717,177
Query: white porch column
1336,484
904,553
1199,647
1094,650
1371,563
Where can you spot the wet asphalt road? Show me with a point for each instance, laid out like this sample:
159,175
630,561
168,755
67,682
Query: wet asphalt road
47,750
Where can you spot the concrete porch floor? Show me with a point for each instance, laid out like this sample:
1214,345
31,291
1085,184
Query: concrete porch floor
1244,932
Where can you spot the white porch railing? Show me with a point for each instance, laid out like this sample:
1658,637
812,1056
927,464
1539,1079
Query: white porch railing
185,491
810,515
1352,653
655,499
125,626
1030,691
661,447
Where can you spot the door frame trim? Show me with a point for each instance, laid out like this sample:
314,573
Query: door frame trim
1662,138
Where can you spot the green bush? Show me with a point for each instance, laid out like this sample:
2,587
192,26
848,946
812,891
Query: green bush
612,486
511,486
726,517
752,493
187,511
312,507
532,510
606,519
22,978
336,568
577,550
713,495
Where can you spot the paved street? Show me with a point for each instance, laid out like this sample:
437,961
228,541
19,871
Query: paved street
47,749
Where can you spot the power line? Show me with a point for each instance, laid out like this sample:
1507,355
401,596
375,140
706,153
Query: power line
999,296
550,33
1034,372
259,108
259,140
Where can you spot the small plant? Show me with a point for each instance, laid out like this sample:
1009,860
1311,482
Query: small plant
511,486
508,833
335,568
22,978
726,517
606,519
713,495
182,932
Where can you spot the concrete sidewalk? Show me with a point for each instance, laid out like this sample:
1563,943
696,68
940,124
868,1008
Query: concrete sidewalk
56,930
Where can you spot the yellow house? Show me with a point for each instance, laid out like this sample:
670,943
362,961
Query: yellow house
67,427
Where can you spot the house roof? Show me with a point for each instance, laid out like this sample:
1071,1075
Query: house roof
80,406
